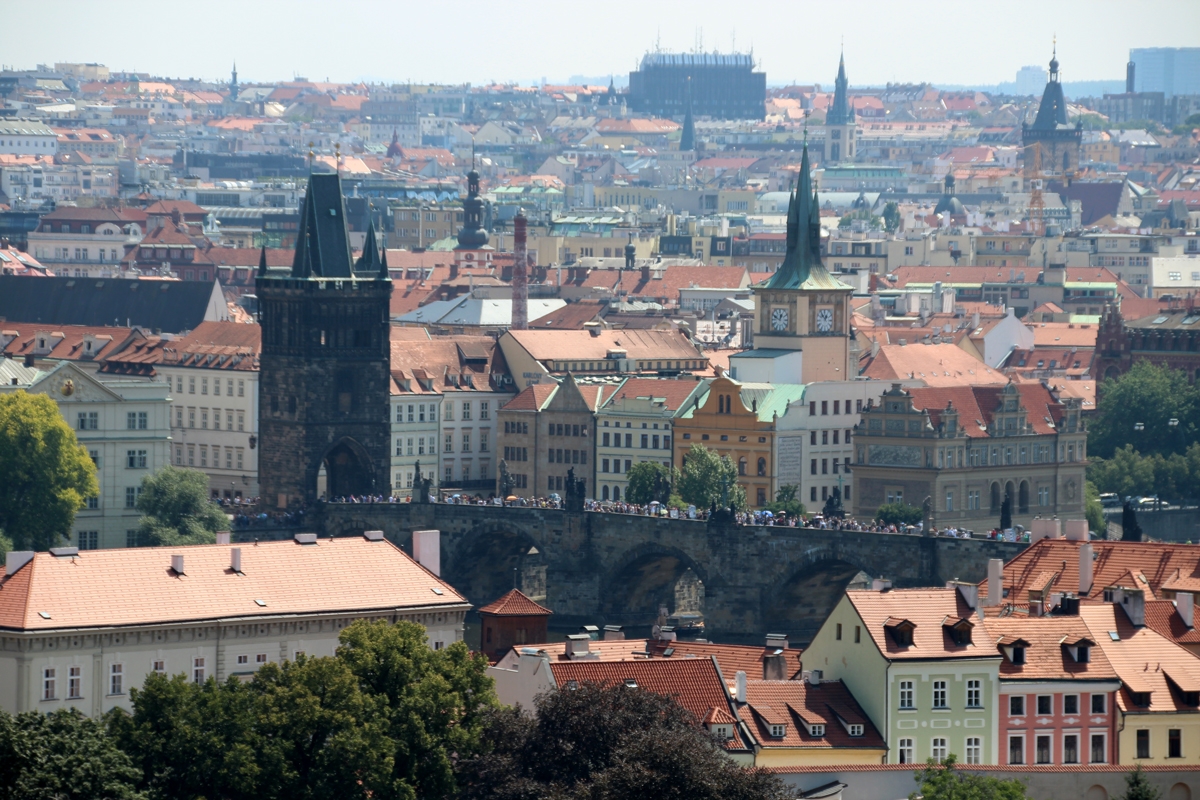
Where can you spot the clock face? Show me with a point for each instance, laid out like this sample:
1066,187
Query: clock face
825,320
779,319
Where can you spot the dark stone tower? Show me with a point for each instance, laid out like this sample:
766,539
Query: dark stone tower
1052,141
324,372
472,235
840,121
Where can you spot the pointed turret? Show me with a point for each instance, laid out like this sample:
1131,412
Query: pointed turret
840,112
384,275
262,262
1052,112
369,260
802,261
322,242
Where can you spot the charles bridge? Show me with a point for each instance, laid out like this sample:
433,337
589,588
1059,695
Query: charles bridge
598,568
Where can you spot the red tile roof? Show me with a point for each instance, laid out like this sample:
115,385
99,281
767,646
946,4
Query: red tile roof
1144,660
978,404
673,392
798,705
1045,656
926,609
943,364
68,341
532,398
1163,618
124,587
514,604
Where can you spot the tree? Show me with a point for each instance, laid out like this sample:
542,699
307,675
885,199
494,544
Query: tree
648,481
786,502
1130,530
1094,510
1126,474
705,477
944,782
898,513
45,474
1006,514
891,216
1149,395
1137,787
435,702
177,509
606,743
62,755
833,506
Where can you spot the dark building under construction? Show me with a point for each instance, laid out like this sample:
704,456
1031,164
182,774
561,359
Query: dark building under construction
723,86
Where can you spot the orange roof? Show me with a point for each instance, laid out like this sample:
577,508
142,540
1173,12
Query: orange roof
1163,618
799,705
942,364
635,126
66,341
514,604
124,587
1143,659
1045,656
1063,334
554,345
673,392
444,362
978,404
926,609
217,345
532,398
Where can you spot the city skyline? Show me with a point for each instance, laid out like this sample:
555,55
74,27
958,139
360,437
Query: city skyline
266,44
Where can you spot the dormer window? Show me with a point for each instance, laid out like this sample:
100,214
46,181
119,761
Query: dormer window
901,631
856,730
1140,699
815,730
1083,654
722,732
1018,655
778,731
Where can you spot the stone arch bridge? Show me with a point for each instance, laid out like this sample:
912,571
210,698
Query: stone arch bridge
599,569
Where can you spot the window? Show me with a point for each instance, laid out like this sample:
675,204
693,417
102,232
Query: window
241,390
1071,749
1071,704
466,442
1143,743
198,670
88,421
1099,751
48,684
905,751
974,750
1099,704
974,695
838,632
1016,705
939,694
483,410
135,459
448,445
243,659
1042,756
204,386
1018,657
906,695
261,658
1045,704
1174,743
116,679
938,749
135,420
857,634
74,683
777,731
131,493
1016,749
466,409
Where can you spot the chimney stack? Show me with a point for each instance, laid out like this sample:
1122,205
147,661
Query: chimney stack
235,559
1184,605
520,274
427,550
1085,569
740,684
1077,530
814,677
880,584
995,579
578,645
177,564
223,537
613,632
15,559
775,667
969,592
777,641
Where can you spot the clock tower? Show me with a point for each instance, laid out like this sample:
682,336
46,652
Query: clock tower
802,308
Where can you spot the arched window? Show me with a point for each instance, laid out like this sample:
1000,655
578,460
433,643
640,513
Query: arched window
604,493
742,465
762,467
616,494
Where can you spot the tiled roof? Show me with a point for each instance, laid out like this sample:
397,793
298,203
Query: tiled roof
673,392
977,404
514,604
446,360
217,345
1063,334
942,364
576,345
124,587
67,340
532,398
798,704
1045,656
1144,660
1164,619
1114,563
926,609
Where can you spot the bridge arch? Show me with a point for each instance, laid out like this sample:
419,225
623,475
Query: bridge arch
798,603
493,558
644,579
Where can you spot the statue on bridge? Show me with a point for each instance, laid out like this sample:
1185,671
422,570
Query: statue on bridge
574,492
726,513
507,483
422,487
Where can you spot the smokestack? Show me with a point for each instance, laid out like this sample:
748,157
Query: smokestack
520,275
1184,605
1130,68
177,564
995,581
740,684
223,537
427,550
1085,569
235,559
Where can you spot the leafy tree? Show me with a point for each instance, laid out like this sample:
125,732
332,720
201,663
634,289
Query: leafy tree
899,513
944,782
1093,122
786,502
705,474
1187,126
45,474
891,216
1152,395
1130,530
1094,510
434,702
649,481
1137,787
833,506
1006,514
177,509
1175,476
606,743
62,755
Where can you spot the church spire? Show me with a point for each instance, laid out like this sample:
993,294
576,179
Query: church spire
369,260
840,112
262,262
803,233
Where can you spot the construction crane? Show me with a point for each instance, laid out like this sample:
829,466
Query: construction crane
1033,177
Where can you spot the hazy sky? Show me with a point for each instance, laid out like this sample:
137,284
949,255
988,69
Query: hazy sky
454,41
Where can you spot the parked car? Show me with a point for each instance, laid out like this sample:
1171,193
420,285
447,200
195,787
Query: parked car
1110,500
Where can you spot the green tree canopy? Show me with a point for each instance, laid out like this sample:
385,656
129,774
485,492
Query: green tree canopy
705,474
648,480
62,755
944,782
45,474
900,513
606,744
1138,787
891,216
786,502
1150,395
1173,477
1094,510
177,509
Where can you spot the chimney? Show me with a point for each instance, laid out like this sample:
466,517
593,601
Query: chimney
177,564
15,559
1085,569
814,677
578,645
666,633
427,550
995,581
1044,529
740,684
1134,604
1184,605
1077,530
969,592
591,630
613,632
223,537
777,641
775,666
645,272
235,560
881,584
453,270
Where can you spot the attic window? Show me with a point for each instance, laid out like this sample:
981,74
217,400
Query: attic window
814,730
1141,699
778,731
1018,655
1191,699
856,730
